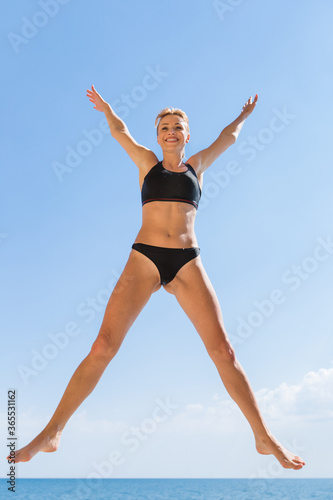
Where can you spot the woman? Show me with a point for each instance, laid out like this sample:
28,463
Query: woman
165,253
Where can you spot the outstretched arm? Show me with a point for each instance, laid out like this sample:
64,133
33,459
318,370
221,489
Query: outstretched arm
139,154
227,137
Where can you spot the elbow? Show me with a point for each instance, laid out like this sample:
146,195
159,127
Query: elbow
230,136
117,130
233,137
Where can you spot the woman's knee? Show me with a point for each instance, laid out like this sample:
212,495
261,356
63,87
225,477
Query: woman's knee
222,351
105,346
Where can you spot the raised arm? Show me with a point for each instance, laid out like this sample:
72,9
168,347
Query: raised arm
139,154
203,159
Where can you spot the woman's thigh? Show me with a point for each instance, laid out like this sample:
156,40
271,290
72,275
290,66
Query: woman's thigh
196,295
131,293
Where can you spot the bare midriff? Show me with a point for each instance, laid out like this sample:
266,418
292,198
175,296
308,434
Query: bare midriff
168,224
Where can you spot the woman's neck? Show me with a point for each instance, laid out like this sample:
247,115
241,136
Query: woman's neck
172,161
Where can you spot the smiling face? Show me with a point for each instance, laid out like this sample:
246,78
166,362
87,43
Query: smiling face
172,133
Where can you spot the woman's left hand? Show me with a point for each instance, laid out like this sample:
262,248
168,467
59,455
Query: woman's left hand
249,106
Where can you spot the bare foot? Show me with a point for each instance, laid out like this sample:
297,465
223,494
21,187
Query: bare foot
43,442
271,446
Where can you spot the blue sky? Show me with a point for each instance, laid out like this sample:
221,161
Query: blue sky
70,211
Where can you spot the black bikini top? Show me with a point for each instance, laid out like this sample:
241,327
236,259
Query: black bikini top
164,185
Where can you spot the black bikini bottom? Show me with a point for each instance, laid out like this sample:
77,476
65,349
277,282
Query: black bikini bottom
167,260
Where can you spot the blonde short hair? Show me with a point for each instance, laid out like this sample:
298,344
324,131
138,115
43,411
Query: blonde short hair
171,111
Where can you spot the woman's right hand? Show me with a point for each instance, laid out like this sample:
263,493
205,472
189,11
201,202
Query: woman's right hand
96,99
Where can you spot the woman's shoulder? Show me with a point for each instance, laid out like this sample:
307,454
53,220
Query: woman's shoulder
150,162
146,167
194,162
153,161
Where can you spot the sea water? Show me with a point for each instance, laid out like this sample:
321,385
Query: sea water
169,489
